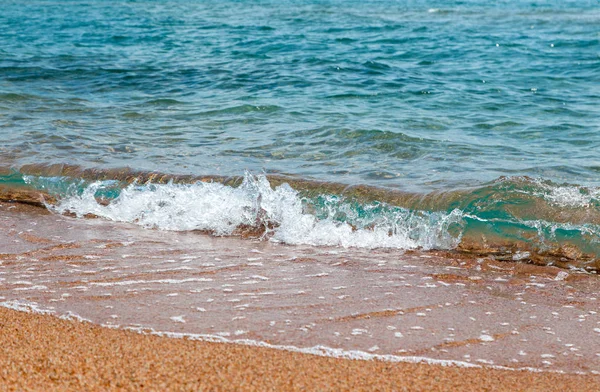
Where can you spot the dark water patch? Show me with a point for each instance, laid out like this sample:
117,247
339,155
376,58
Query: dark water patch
164,102
358,96
345,40
14,97
375,65
241,109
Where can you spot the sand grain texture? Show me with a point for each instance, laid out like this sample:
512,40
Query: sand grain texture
41,352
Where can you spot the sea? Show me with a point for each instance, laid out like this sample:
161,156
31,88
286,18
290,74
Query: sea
454,119
364,179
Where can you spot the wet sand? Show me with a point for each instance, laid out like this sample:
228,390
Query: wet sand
405,307
41,352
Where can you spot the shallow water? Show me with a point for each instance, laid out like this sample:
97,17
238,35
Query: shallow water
353,303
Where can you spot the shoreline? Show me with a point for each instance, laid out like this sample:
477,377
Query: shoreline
43,352
381,303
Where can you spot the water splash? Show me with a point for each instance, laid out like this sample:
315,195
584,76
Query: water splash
281,212
513,219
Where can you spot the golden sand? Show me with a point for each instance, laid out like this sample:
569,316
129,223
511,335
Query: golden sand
44,353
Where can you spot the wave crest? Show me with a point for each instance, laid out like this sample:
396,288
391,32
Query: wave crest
279,214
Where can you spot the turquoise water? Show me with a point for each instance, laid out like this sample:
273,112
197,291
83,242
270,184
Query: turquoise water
427,99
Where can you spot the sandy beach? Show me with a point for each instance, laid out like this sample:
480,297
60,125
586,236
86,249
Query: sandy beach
41,352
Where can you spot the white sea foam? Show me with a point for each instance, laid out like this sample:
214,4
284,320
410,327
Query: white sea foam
25,306
569,196
288,217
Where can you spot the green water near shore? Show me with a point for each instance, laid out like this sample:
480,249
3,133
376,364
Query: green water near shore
518,219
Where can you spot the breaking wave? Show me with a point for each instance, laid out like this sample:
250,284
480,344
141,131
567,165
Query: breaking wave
280,214
514,219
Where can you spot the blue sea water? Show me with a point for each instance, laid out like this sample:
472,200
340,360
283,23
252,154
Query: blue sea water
497,100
